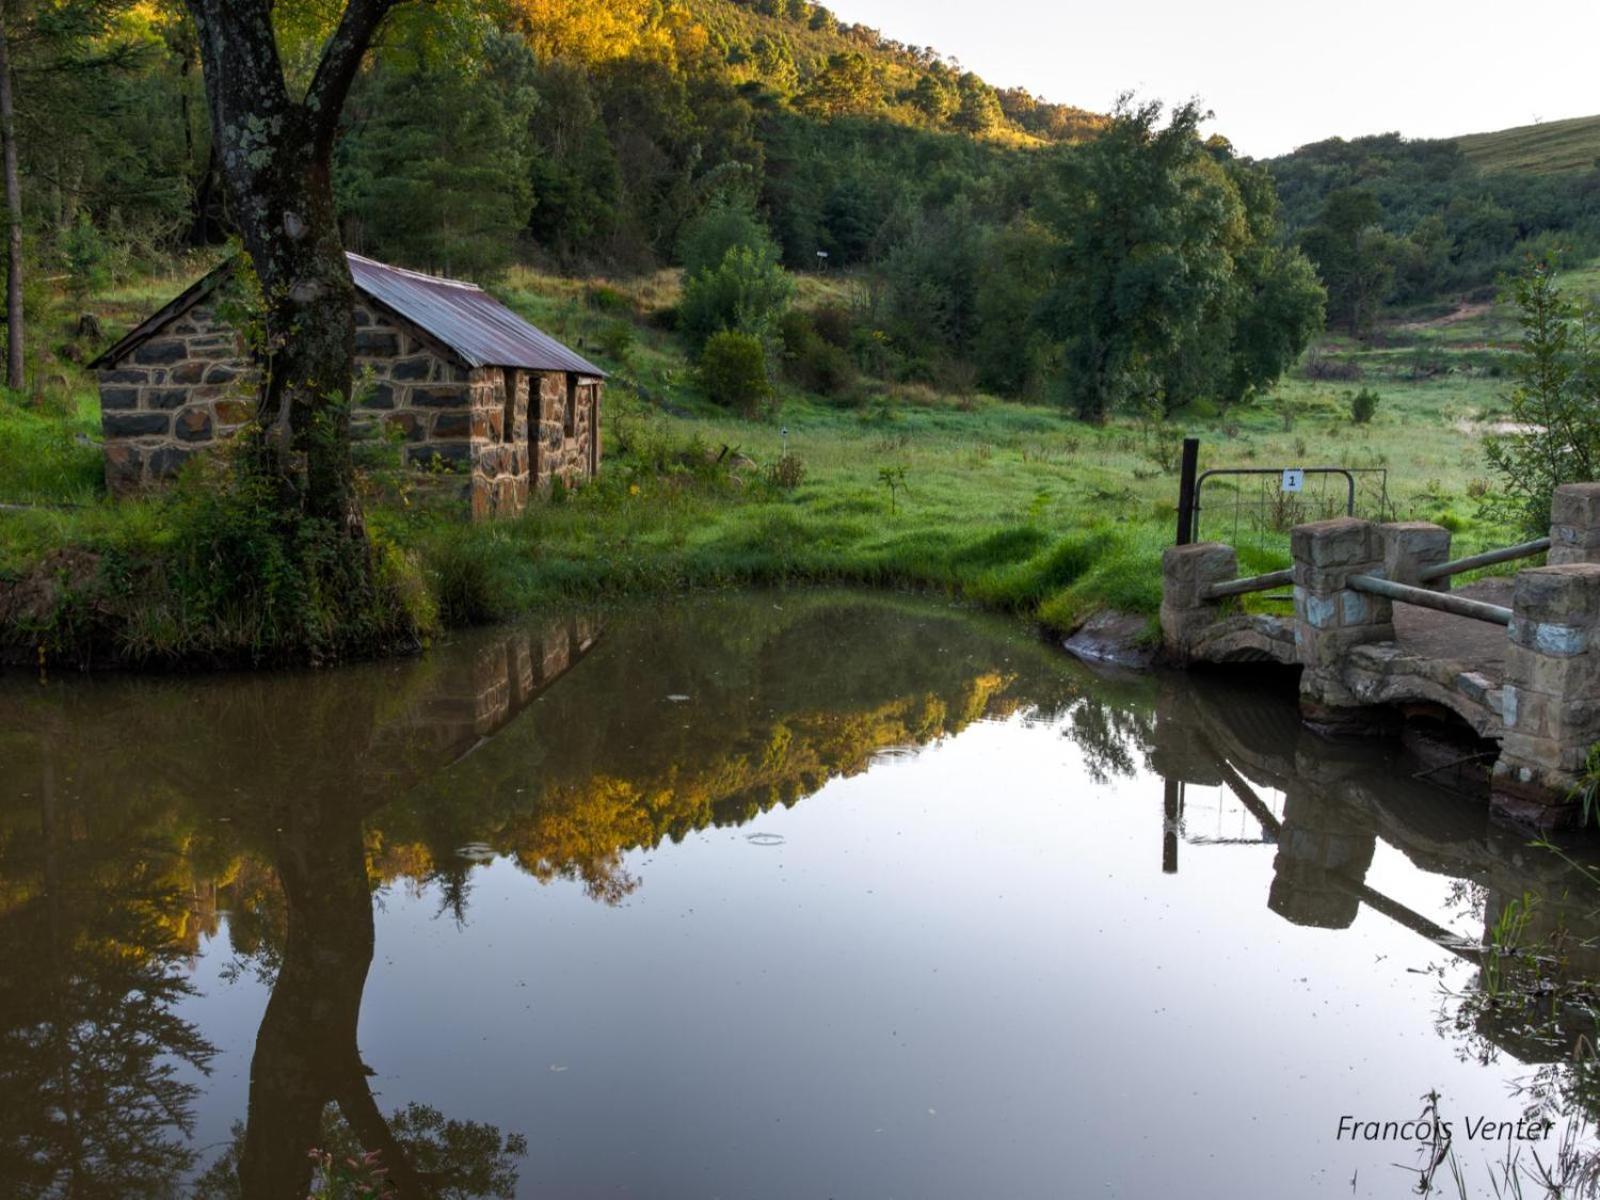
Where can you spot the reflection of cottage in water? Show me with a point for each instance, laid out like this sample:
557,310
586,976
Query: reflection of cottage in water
468,386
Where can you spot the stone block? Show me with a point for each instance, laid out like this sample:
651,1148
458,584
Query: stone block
221,372
191,371
161,352
379,343
452,424
1568,594
118,397
414,369
125,375
1571,675
1409,547
1339,542
166,398
1321,612
440,397
1186,570
193,425
1576,504
135,424
1549,637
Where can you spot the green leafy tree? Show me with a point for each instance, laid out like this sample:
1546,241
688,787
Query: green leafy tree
1555,404
1155,232
1354,256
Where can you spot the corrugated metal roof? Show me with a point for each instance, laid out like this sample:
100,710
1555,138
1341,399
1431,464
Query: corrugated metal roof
465,318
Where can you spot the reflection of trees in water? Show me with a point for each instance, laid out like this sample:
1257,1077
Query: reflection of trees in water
92,1098
289,801
1115,739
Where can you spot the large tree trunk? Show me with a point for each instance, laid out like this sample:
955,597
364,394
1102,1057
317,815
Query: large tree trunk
276,157
13,188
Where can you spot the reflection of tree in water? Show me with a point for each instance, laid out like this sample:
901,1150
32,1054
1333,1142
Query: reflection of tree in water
92,1103
294,799
1115,739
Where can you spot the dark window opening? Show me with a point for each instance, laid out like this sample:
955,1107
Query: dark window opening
570,418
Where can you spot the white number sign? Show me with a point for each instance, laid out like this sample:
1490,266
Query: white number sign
1294,480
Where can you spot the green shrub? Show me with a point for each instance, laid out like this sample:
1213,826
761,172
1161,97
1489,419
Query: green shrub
1363,406
733,371
616,341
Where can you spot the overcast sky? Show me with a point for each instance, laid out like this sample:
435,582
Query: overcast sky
1278,75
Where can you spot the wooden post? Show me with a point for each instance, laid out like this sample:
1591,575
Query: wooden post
1191,458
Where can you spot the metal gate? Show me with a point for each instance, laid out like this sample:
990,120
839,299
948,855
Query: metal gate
1269,501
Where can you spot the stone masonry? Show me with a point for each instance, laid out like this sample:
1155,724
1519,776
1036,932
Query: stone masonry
1551,698
1542,705
1331,618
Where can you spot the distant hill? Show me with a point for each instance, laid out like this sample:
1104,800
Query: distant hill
1543,149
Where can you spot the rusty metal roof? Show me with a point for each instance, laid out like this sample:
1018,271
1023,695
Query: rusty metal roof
484,332
461,316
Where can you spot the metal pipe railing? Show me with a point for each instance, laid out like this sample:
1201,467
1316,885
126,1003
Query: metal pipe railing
1448,602
1487,559
1250,583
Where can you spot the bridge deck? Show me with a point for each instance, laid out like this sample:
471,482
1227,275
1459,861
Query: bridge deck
1432,634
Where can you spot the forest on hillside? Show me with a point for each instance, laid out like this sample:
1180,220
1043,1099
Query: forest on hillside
1395,221
982,222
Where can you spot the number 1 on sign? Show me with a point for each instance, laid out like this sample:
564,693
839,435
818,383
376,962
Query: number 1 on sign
1294,480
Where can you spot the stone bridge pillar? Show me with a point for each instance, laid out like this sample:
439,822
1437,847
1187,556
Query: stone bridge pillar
1186,573
1574,524
1331,618
1551,698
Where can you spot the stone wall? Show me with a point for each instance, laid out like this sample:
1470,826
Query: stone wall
568,441
192,384
176,393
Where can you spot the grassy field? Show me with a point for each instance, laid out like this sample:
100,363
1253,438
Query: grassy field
1012,506
1570,145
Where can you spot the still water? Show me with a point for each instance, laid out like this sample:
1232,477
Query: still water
776,895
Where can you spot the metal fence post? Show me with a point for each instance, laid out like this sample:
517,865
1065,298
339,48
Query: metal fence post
1191,458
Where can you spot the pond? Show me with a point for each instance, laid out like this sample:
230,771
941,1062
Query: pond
766,895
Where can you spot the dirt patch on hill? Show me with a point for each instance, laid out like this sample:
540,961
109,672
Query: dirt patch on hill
1463,312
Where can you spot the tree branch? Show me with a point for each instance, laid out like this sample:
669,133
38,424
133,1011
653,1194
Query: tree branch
341,59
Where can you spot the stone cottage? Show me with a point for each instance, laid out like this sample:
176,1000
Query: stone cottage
486,403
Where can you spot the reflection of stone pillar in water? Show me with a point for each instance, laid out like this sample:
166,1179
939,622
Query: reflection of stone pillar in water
1172,822
1323,856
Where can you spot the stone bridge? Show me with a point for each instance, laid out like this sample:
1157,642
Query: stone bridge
1378,636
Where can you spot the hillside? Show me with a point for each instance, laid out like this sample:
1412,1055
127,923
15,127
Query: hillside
1543,149
798,48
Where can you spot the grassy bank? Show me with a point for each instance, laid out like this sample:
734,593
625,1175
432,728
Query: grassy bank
1012,506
